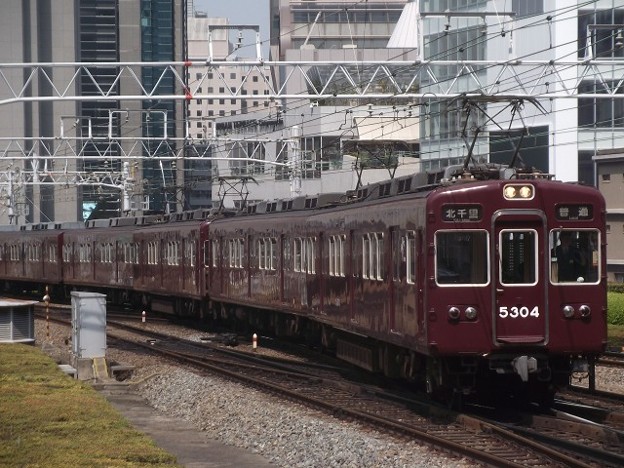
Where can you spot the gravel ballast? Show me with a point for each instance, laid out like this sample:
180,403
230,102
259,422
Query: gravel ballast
286,434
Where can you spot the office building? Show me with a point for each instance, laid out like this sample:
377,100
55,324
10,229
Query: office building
91,31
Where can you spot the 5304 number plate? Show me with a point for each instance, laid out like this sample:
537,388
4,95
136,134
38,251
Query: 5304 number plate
518,312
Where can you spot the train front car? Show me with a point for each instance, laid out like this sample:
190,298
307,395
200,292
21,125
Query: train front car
517,290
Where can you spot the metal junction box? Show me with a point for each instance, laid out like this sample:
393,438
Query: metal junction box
88,324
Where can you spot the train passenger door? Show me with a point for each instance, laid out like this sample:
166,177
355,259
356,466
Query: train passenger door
520,279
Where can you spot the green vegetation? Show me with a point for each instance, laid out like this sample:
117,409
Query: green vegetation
616,308
615,315
48,419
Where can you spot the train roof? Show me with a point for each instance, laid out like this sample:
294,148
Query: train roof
159,219
41,227
420,182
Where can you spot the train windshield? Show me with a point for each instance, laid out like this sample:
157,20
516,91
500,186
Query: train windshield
574,256
518,257
462,257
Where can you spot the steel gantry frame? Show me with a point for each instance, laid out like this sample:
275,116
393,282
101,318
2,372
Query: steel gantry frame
409,82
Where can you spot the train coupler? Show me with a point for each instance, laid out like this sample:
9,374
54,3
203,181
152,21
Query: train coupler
523,366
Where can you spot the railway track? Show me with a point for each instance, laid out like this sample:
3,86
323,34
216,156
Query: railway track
322,387
546,441
612,358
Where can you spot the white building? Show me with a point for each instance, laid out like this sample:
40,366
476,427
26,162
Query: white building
333,151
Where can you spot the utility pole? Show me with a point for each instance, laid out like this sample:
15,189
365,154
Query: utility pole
295,174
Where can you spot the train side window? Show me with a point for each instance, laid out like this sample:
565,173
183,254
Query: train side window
231,253
373,255
379,255
297,254
410,257
366,255
518,257
261,254
14,253
331,253
209,253
575,256
336,254
189,253
66,253
342,240
273,242
236,252
310,257
461,257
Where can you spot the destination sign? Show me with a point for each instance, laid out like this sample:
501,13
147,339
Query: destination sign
574,212
461,212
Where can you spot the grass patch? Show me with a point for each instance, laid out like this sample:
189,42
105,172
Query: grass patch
616,336
48,419
615,319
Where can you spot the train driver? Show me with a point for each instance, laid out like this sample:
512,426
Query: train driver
569,258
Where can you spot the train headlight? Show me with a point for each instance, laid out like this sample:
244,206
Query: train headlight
453,313
585,311
568,311
471,313
510,192
517,191
526,192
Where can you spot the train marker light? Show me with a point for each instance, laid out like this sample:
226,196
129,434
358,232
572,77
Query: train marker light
471,313
568,311
585,311
254,342
453,313
516,191
143,316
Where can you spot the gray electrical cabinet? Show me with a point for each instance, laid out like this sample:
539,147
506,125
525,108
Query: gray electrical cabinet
88,324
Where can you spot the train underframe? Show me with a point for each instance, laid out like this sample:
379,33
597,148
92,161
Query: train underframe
518,376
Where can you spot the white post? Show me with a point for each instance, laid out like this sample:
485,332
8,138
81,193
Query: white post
295,175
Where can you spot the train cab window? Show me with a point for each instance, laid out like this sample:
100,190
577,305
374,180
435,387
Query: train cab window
462,257
517,257
574,256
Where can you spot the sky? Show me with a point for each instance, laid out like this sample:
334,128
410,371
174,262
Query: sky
251,12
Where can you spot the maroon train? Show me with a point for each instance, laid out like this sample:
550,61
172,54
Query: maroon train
486,280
